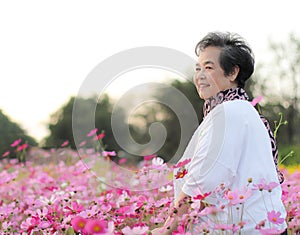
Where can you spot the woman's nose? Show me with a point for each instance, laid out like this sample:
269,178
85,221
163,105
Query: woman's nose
199,75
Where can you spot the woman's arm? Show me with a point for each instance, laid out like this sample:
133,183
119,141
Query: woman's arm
181,207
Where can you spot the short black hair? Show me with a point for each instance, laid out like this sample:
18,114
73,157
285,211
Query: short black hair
234,52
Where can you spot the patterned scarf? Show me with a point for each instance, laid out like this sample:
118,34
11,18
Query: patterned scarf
240,94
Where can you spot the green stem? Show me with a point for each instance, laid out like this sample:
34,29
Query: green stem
277,126
290,154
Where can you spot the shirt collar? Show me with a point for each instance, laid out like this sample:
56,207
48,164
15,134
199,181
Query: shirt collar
222,96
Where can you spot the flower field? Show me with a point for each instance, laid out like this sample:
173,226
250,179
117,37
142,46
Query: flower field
61,191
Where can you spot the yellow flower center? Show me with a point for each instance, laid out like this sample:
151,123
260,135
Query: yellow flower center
97,228
81,224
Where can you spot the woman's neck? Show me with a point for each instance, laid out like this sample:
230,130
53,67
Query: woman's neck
235,93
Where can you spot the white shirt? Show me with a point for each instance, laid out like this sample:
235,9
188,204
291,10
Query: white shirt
230,146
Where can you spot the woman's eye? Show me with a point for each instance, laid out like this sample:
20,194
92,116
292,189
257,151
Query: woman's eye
197,69
208,67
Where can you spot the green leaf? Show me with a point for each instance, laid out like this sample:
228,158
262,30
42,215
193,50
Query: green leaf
70,231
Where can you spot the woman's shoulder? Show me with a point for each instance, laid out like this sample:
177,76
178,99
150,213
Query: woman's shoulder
238,104
236,107
237,111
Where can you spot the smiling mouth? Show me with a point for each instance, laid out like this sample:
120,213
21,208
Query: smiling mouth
203,86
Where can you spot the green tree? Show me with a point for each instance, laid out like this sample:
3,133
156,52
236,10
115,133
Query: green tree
11,131
278,80
287,73
172,123
60,125
280,84
160,112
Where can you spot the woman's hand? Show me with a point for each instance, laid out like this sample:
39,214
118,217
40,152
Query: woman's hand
158,231
155,231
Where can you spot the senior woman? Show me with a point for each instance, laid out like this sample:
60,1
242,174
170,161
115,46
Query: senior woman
232,147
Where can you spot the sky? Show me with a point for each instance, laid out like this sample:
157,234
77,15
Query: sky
48,48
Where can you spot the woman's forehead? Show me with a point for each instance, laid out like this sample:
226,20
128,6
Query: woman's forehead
209,55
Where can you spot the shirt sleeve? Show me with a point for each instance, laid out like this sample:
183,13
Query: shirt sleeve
218,152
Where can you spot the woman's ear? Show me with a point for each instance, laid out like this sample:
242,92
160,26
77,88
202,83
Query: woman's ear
233,75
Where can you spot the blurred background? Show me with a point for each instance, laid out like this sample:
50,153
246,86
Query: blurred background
47,49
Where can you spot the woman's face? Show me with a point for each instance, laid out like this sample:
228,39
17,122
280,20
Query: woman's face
209,77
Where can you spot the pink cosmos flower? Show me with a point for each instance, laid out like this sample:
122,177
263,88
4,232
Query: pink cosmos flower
106,207
89,213
127,210
82,143
6,153
149,157
137,230
108,153
30,224
243,195
64,144
161,202
260,224
274,217
157,219
285,195
202,228
6,210
76,208
42,213
181,174
263,185
295,224
110,228
95,226
99,137
13,161
140,200
6,225
15,143
5,178
227,227
22,147
122,160
201,196
44,224
92,132
78,223
237,196
210,210
256,100
271,231
231,196
181,164
181,231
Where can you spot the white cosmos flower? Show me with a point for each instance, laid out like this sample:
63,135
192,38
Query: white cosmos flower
164,189
157,161
135,230
47,201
